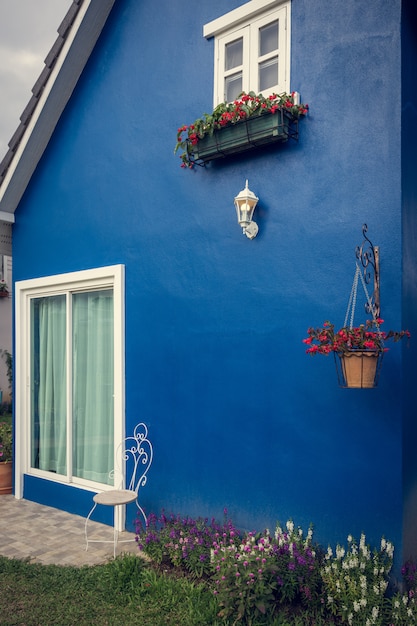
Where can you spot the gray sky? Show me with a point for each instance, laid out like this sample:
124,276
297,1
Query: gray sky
28,28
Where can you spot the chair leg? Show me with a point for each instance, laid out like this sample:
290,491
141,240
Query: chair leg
85,528
115,533
143,513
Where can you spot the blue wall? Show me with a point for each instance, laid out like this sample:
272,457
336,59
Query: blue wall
409,187
240,416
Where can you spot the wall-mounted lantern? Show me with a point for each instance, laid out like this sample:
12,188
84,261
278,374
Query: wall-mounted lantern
245,203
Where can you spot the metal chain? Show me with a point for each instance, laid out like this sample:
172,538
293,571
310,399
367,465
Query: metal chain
352,300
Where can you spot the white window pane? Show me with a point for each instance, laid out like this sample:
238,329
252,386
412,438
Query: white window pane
268,38
234,54
268,74
233,87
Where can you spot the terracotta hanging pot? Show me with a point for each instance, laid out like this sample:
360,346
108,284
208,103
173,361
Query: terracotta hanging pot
6,475
360,368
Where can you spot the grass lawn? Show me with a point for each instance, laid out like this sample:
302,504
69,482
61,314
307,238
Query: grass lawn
122,592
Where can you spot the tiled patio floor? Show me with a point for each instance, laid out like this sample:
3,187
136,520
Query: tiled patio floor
50,536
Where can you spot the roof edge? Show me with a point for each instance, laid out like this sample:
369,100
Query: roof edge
79,33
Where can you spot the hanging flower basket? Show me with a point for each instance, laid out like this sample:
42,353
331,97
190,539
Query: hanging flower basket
358,351
358,369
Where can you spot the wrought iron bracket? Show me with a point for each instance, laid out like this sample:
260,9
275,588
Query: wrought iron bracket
368,255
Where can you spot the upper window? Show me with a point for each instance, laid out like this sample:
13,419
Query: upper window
69,383
251,50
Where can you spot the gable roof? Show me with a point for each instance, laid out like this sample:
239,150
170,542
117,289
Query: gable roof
77,36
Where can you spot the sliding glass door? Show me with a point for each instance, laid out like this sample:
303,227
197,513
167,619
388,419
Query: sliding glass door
72,384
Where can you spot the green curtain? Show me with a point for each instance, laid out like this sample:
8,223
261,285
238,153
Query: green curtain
93,385
49,384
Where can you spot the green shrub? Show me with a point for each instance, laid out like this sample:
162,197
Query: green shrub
264,572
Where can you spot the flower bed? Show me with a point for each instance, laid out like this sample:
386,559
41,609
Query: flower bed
257,577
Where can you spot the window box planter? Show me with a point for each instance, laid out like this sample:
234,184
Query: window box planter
256,131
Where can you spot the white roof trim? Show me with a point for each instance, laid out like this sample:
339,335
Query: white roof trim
44,97
76,49
244,12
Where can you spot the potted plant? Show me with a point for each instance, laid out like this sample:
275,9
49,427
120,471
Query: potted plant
4,291
360,349
6,451
248,122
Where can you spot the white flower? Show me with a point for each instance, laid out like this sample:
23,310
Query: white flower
383,544
340,552
390,549
350,538
356,606
290,526
329,553
375,612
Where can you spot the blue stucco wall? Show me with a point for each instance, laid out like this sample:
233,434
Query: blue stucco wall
239,415
409,196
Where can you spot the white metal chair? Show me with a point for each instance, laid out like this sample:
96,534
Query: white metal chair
135,458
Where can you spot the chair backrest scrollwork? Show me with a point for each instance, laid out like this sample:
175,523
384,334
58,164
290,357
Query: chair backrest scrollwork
135,458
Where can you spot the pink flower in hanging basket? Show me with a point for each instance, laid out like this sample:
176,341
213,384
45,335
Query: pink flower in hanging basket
368,336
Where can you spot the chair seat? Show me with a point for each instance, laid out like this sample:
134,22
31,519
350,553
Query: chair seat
115,497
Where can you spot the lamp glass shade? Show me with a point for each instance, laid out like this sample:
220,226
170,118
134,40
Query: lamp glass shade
245,203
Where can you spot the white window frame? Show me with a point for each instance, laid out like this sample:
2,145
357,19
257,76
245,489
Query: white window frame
85,280
245,22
